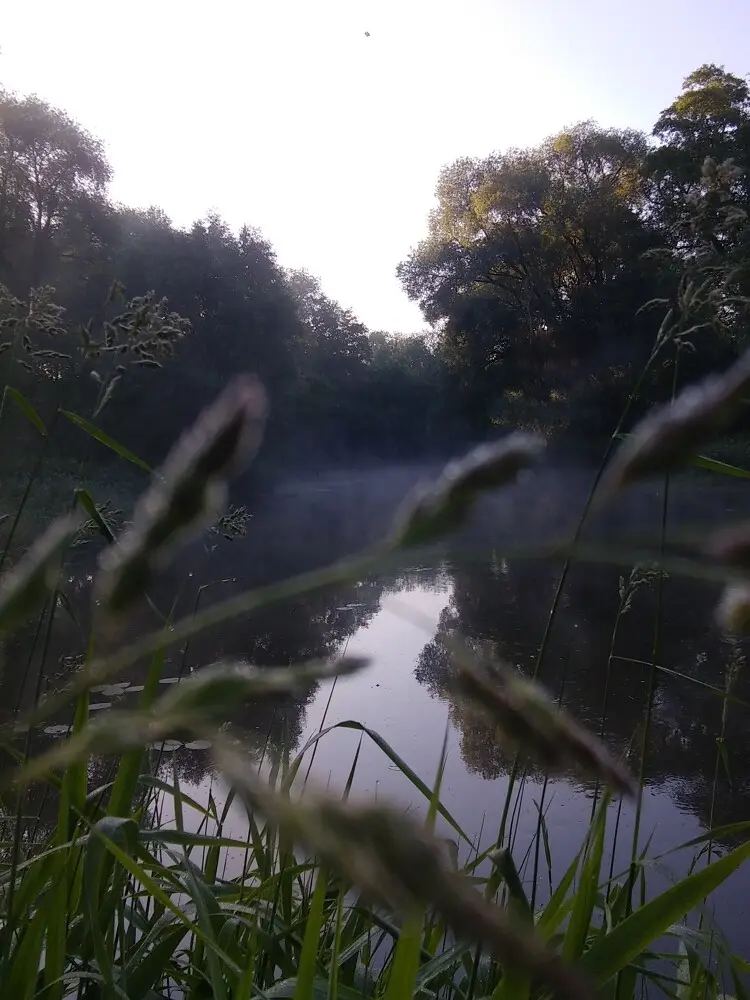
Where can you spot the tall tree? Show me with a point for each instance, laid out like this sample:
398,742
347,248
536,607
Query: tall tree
516,245
701,193
50,167
709,119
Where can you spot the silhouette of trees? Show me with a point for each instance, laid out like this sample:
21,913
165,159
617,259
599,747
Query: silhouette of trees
533,274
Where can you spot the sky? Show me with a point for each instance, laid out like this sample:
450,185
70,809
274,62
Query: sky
282,114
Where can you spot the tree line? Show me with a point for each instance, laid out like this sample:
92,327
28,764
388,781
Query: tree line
548,276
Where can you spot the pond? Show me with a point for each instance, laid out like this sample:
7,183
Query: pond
474,588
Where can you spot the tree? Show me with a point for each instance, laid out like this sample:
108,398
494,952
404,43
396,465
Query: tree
710,119
516,245
335,345
243,318
50,167
701,195
334,352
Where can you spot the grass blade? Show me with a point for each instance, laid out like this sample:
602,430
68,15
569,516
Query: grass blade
723,468
155,890
625,942
129,768
118,831
407,956
313,930
22,976
103,438
390,753
560,902
585,897
516,982
150,963
26,408
86,501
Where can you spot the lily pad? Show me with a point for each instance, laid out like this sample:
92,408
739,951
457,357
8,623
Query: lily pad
110,689
99,705
198,745
114,690
166,745
169,680
56,730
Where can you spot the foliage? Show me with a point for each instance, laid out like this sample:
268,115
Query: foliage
117,905
534,273
538,261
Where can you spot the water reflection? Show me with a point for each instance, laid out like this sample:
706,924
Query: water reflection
503,606
600,673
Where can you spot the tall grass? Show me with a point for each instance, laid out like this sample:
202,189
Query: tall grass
138,890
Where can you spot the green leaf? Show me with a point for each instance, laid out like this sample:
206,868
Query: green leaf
207,909
334,965
119,831
103,438
313,931
405,964
714,465
129,768
86,501
285,989
614,951
518,900
57,918
390,753
21,979
716,833
515,983
440,964
154,889
26,408
184,838
149,963
148,781
585,897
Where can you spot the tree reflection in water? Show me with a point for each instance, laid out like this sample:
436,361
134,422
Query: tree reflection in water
501,605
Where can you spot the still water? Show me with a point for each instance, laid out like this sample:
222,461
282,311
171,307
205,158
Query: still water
475,589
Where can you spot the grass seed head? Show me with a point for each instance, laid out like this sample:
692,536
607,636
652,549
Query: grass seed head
217,690
26,586
733,612
666,439
730,547
434,510
393,860
526,719
187,493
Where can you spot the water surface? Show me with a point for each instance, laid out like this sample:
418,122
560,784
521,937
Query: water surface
473,588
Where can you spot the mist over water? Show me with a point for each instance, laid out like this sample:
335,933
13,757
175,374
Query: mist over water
471,586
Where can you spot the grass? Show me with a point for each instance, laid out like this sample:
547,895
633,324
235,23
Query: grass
53,485
138,890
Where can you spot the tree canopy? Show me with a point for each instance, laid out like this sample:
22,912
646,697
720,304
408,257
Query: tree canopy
538,261
533,278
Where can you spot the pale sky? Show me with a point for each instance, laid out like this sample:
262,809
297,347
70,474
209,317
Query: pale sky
282,114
